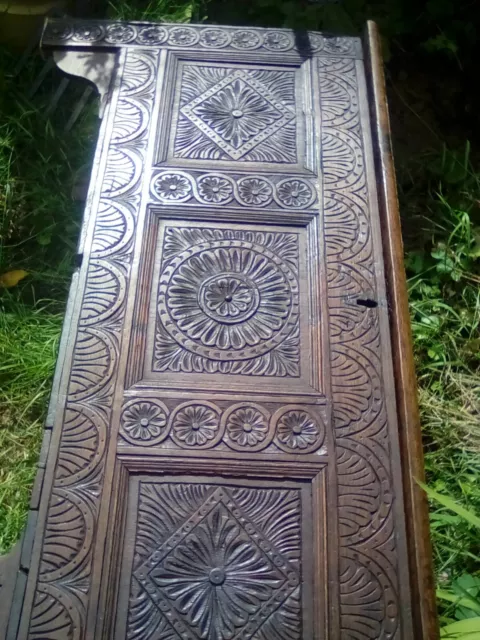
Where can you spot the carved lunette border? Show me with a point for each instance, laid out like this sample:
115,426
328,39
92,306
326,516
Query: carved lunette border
372,582
61,575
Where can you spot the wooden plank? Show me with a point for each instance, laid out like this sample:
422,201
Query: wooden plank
420,553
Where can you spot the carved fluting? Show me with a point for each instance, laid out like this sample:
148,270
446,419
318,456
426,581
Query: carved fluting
241,426
177,187
245,115
368,577
54,617
208,38
216,562
63,586
228,302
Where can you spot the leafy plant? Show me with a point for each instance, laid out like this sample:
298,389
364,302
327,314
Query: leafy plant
464,592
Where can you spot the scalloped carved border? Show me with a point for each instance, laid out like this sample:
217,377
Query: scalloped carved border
369,590
65,564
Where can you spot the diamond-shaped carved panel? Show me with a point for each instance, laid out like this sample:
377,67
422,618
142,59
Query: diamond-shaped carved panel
215,562
243,115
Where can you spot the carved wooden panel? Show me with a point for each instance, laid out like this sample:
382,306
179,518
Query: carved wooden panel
216,561
224,458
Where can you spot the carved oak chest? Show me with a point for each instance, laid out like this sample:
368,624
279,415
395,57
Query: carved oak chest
233,438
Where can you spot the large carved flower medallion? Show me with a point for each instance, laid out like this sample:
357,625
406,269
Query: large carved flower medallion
228,299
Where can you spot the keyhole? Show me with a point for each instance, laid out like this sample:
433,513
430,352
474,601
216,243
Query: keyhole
367,302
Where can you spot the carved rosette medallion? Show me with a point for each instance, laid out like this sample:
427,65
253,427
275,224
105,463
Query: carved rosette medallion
228,302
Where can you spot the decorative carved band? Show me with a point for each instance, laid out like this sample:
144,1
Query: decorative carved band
242,426
368,565
240,40
177,187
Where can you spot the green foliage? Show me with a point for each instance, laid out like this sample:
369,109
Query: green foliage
158,10
28,347
40,166
464,592
443,264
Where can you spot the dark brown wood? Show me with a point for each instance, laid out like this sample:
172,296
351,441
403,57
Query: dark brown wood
416,505
224,459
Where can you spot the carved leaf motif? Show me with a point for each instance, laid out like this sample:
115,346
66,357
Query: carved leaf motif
369,599
92,364
66,558
65,542
113,228
105,291
123,171
138,74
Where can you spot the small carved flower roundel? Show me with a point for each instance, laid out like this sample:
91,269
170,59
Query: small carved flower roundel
254,191
151,35
277,41
172,186
118,33
247,427
215,189
196,425
57,32
298,431
245,40
214,38
294,194
182,36
88,33
144,422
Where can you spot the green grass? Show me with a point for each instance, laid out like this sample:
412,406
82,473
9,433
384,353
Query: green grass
40,167
28,346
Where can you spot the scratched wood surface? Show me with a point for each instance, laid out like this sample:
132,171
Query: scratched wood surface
222,454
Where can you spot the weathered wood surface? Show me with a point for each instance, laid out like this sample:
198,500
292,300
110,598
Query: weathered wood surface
226,446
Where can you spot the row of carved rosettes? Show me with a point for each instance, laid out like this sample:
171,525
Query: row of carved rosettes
206,38
368,571
219,189
65,568
242,426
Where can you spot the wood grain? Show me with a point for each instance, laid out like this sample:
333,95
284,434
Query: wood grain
416,505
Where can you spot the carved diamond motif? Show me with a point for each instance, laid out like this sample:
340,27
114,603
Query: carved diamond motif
217,575
237,114
226,114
